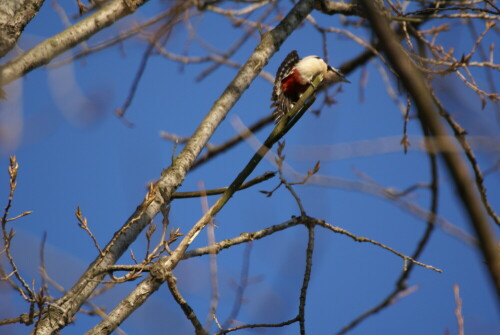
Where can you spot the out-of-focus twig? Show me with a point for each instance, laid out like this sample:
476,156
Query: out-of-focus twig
241,286
120,37
216,150
175,14
458,309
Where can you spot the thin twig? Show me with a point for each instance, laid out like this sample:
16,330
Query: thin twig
368,240
214,151
27,293
188,311
237,46
464,142
215,191
259,325
136,29
82,223
307,276
163,32
242,238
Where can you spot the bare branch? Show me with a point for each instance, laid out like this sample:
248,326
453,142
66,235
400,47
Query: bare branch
25,290
188,311
216,150
82,223
243,238
111,41
197,194
364,239
259,325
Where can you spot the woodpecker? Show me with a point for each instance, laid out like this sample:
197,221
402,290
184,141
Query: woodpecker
294,76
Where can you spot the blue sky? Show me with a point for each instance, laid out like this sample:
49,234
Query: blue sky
73,151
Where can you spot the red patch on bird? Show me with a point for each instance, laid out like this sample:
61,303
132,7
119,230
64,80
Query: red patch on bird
292,86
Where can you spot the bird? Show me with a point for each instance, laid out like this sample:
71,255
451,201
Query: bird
294,76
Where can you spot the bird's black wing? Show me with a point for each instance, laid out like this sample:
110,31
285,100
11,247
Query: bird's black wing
280,102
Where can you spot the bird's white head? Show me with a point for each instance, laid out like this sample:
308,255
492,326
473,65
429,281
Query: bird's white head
310,66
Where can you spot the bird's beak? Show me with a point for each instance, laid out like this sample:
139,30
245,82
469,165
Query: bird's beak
344,79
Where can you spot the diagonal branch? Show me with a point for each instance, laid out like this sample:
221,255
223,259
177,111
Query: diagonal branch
215,191
212,152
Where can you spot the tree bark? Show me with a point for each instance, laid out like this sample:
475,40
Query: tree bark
14,16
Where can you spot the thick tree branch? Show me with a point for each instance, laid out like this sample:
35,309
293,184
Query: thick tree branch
14,16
